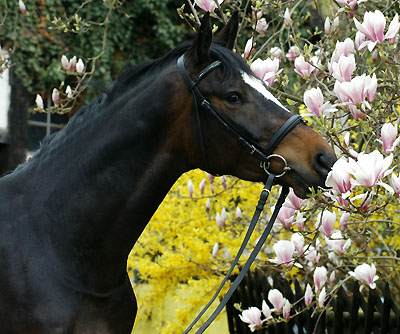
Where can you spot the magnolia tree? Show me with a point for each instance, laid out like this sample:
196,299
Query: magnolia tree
344,78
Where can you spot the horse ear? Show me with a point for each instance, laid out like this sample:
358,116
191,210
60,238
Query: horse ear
199,51
227,35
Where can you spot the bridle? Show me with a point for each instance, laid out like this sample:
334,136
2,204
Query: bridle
265,154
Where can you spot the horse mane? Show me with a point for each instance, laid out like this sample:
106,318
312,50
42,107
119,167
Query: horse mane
127,81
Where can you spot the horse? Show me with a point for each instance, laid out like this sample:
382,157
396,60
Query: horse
71,214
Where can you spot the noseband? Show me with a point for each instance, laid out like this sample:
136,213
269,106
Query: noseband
265,154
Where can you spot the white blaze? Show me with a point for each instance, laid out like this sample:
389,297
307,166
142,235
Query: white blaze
260,87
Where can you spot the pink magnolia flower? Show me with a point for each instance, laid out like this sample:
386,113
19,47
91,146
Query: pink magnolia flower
321,298
298,241
286,310
210,177
266,69
223,215
262,26
68,91
276,53
327,220
344,219
39,102
358,92
208,205
219,220
312,255
292,201
22,7
238,212
332,278
336,242
320,277
80,66
308,296
344,68
223,181
284,250
286,18
64,62
373,27
342,201
202,186
190,188
345,48
327,26
388,135
365,273
339,177
346,139
375,55
370,168
215,250
275,297
55,97
359,39
336,22
266,310
251,316
248,48
286,216
302,67
72,63
207,5
293,53
299,221
350,4
395,182
314,101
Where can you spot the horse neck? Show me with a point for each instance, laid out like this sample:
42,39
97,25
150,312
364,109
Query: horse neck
103,183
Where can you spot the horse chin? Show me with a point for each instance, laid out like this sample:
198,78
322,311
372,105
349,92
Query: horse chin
302,184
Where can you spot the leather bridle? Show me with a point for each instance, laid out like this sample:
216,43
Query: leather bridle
265,154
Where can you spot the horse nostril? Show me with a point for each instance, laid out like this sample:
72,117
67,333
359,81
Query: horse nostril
323,162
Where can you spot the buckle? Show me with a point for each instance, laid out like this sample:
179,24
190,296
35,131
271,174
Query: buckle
266,164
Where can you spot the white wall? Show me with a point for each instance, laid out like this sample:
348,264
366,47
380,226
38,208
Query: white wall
5,90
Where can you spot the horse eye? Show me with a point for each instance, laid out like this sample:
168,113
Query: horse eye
233,98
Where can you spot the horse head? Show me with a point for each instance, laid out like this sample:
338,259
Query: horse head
242,104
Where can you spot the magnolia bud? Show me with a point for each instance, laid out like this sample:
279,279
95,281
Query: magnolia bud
64,62
22,7
327,26
336,23
68,91
39,102
202,186
72,63
190,188
80,66
54,96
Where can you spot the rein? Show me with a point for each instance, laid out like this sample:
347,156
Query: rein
265,154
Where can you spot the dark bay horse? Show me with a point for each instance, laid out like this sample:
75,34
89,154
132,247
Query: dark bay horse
70,215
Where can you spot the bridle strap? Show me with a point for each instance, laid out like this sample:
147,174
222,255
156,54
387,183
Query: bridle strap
249,261
199,98
259,208
281,133
264,154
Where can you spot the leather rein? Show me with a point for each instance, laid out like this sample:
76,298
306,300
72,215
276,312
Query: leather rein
265,154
